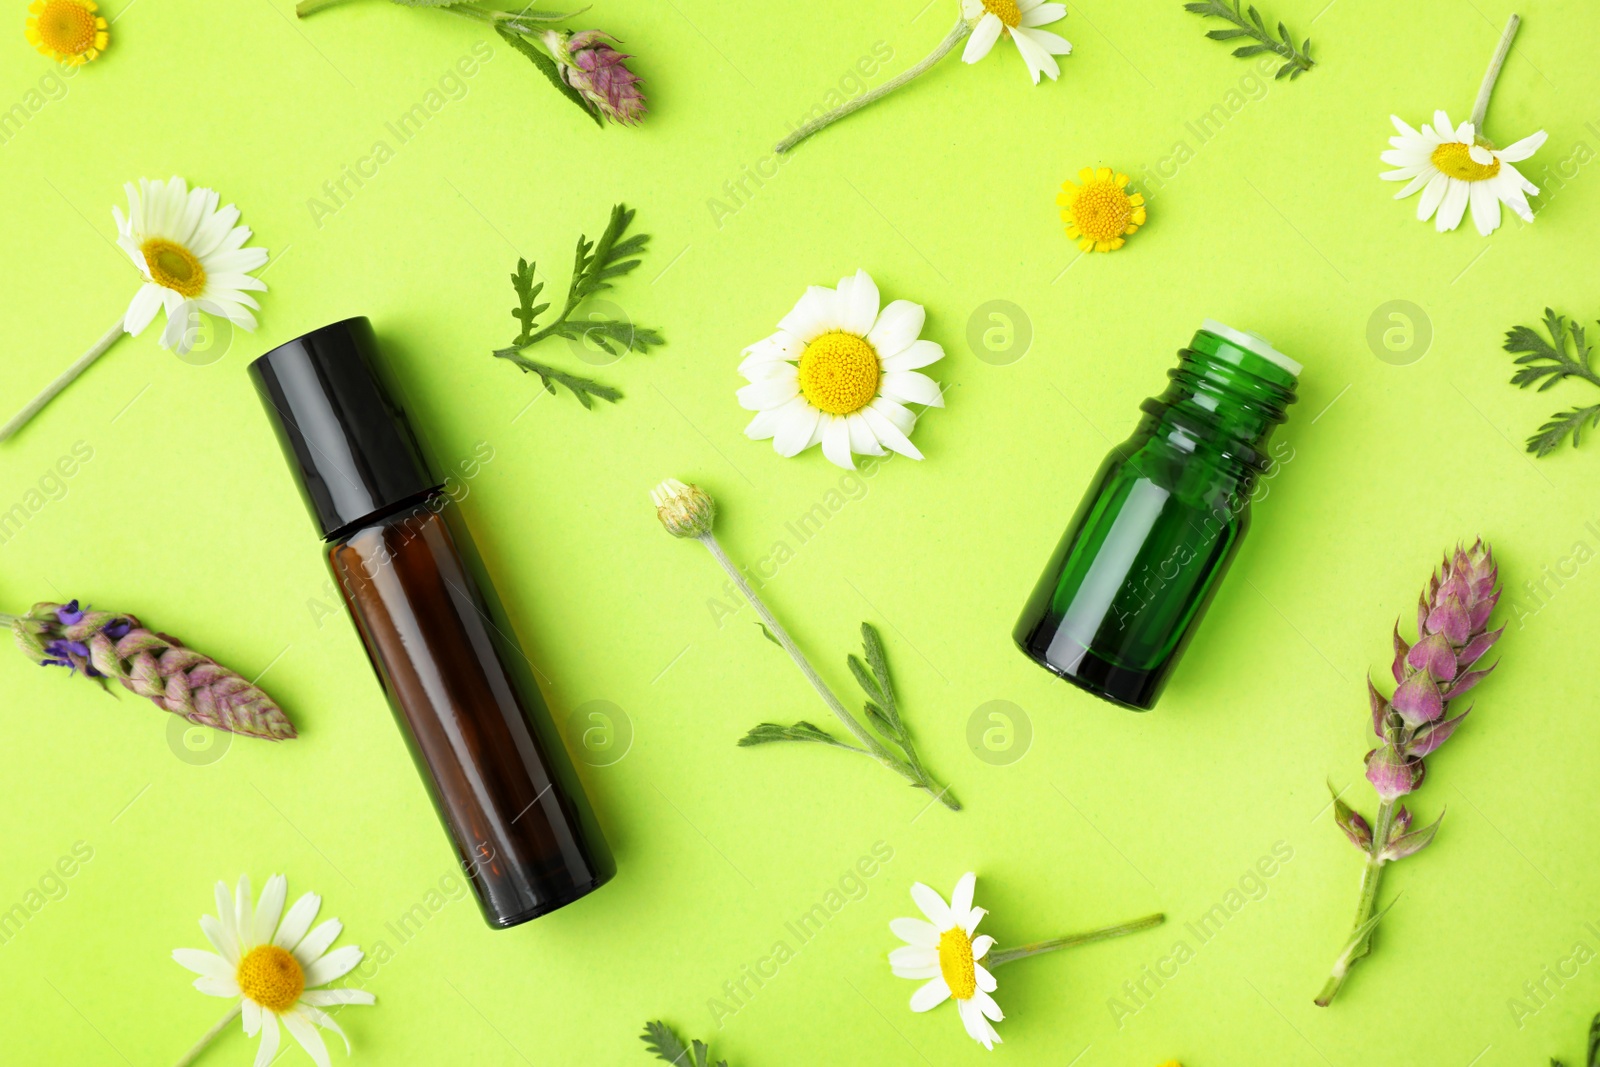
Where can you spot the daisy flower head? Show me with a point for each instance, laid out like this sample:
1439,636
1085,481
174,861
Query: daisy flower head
1098,210
1019,20
193,257
943,951
839,372
272,968
1456,169
68,31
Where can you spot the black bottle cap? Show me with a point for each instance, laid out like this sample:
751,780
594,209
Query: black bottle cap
344,434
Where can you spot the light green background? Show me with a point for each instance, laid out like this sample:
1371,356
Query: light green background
945,193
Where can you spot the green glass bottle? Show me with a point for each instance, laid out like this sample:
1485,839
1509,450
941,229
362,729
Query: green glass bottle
1161,522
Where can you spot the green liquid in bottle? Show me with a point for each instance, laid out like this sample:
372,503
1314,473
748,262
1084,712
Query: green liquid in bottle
1155,533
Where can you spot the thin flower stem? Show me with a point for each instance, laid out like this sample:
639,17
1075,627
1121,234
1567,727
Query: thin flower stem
1360,941
199,1046
1492,75
999,957
7,620
22,417
960,30
871,745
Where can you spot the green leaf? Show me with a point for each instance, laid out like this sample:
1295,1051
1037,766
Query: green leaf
526,312
1561,425
769,732
550,70
1594,1042
664,1044
768,634
882,723
585,389
1548,360
427,3
879,662
1248,22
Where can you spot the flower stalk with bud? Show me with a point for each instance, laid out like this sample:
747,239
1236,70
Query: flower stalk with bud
1452,637
106,644
583,66
688,511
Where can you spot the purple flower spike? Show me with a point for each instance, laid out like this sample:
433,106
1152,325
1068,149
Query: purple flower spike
69,613
598,72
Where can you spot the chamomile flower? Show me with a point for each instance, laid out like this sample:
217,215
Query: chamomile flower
953,962
944,951
839,372
272,968
1100,213
1019,20
68,31
1456,169
193,257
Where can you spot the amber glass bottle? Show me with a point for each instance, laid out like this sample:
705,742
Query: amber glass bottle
1161,522
461,689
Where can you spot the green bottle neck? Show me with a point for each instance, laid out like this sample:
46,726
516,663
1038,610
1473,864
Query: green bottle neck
1224,402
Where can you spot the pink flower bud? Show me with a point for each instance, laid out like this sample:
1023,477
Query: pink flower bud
1392,776
597,71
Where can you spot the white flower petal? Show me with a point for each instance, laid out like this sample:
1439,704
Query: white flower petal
269,1039
1405,130
314,944
209,237
218,987
1034,54
250,1011
913,961
243,904
793,434
920,354
961,898
1043,14
981,946
1452,207
335,965
1480,155
769,393
858,303
915,932
1485,208
899,416
1413,185
897,327
931,995
978,1028
270,908
178,336
1442,127
863,442
912,387
1053,43
1432,195
926,898
324,1020
142,308
985,980
974,917
295,924
816,312
836,441
227,947
1517,151
206,964
987,1005
308,1037
984,35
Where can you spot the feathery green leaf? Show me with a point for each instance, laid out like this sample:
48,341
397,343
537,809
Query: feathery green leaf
1546,363
548,68
769,732
1247,22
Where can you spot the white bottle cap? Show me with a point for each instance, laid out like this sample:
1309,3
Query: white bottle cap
1252,342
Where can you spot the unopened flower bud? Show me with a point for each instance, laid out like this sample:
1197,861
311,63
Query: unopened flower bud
685,510
598,72
1391,775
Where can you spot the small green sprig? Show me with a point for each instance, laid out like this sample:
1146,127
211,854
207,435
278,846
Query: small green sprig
1593,1059
1249,23
666,1045
688,511
594,266
1546,363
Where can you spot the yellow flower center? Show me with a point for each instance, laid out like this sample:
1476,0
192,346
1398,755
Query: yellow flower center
1101,210
67,27
271,977
1004,10
955,963
839,373
173,266
1454,159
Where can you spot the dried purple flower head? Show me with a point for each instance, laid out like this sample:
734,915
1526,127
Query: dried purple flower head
1452,636
103,644
597,71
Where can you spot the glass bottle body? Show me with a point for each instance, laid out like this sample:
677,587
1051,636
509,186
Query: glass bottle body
1160,524
463,694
